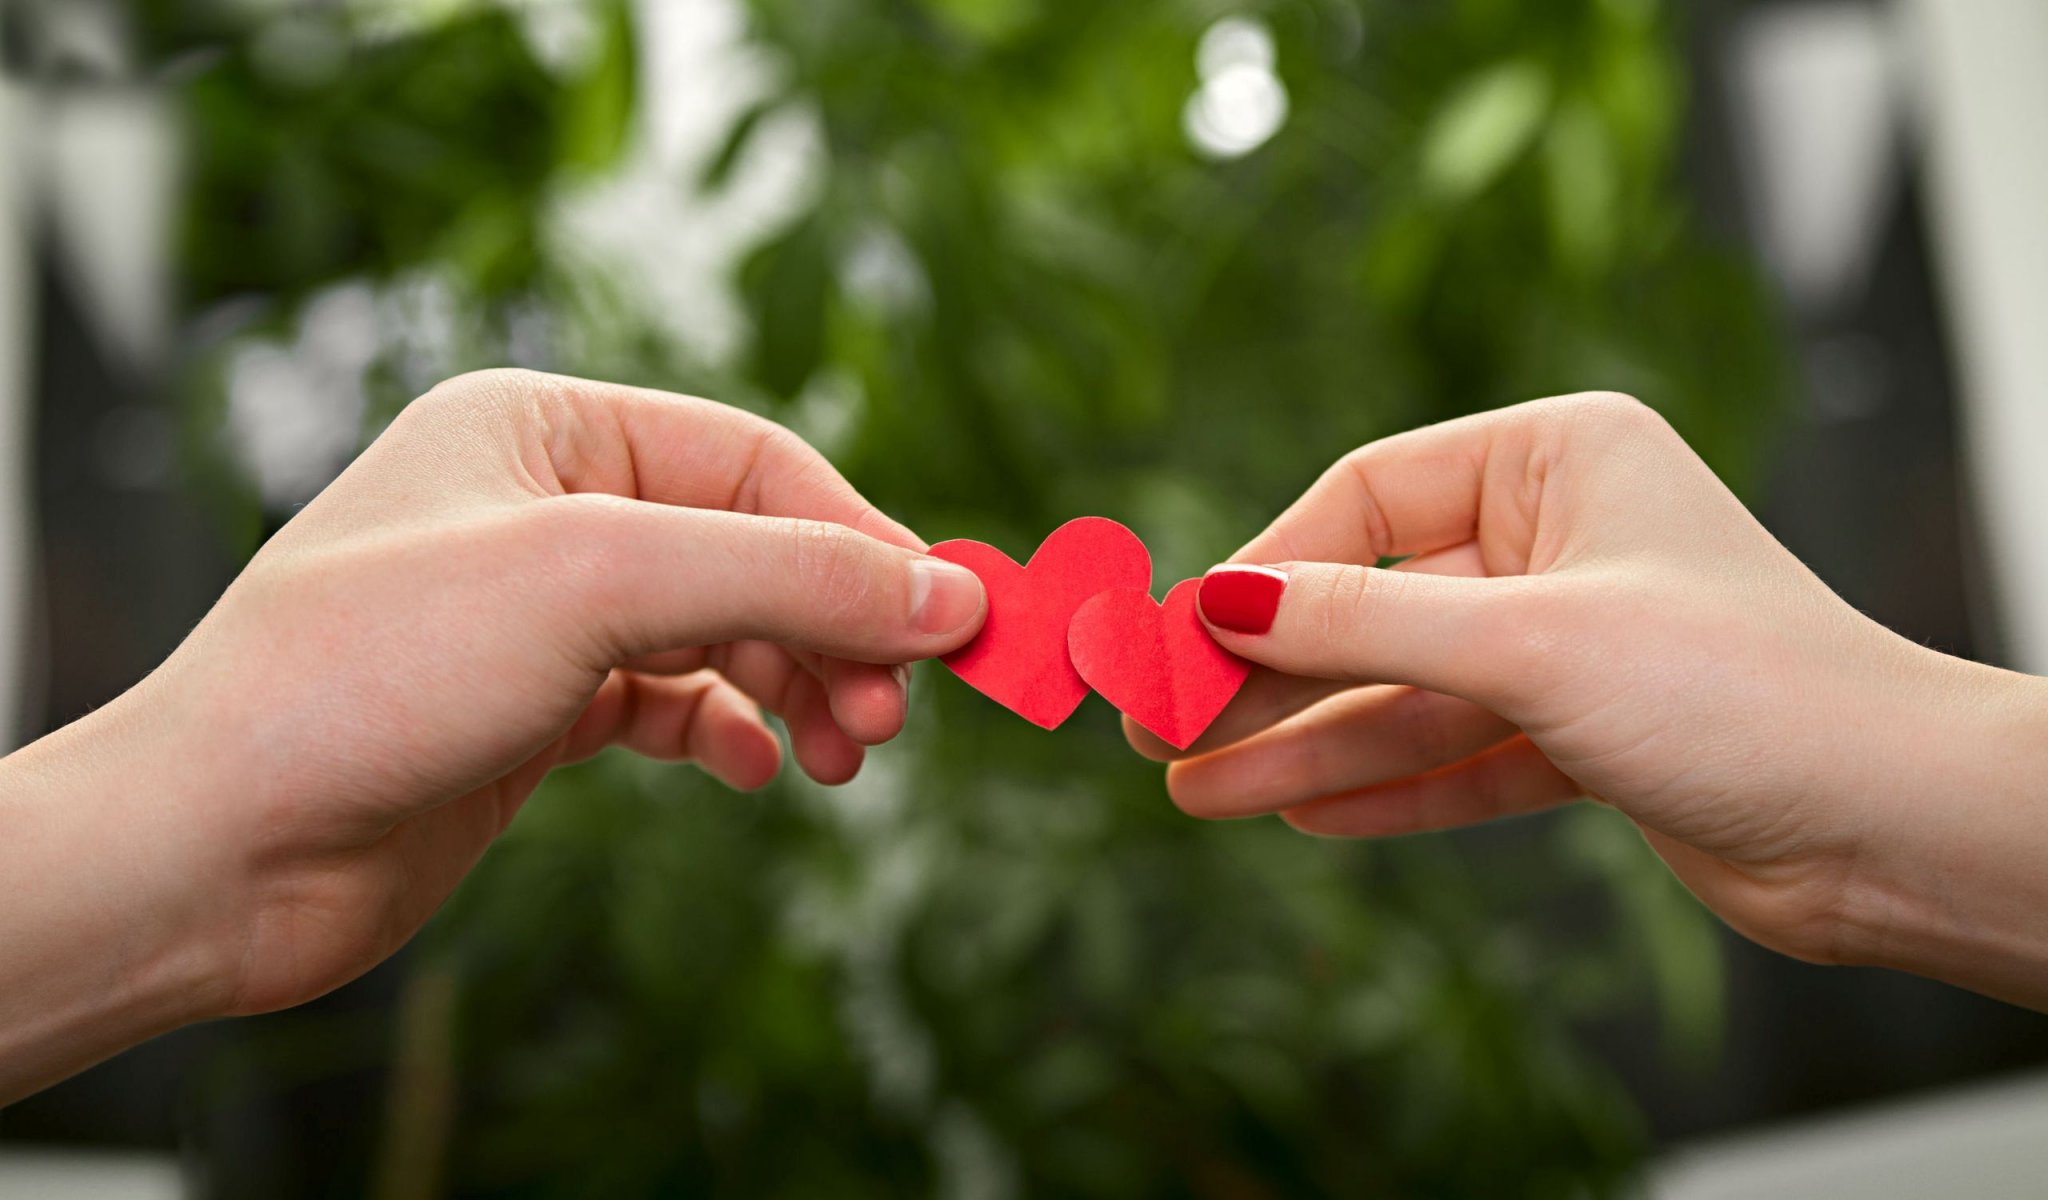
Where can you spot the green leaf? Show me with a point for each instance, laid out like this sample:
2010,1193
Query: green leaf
597,109
734,145
1582,188
1487,123
785,285
988,22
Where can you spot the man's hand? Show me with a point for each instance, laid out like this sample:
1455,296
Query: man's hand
522,570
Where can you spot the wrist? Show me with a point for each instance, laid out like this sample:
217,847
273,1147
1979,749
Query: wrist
1955,879
112,930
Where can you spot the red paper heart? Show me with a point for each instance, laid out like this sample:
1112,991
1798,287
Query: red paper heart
1155,661
1019,659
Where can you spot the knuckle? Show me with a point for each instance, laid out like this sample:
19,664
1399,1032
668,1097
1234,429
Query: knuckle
785,455
1353,597
486,402
1614,414
1379,532
1541,435
1618,406
774,454
522,410
491,391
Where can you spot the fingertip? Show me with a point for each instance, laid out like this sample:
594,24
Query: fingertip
1241,599
822,749
835,764
733,744
947,601
885,528
1269,650
751,768
1307,820
1150,745
1186,787
869,702
1295,618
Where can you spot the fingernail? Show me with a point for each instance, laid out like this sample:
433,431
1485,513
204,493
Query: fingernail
902,673
943,596
1242,599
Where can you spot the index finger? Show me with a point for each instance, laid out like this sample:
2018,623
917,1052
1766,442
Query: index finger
690,452
1408,494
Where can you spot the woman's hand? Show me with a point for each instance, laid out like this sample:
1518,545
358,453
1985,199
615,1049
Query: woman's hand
1588,611
522,570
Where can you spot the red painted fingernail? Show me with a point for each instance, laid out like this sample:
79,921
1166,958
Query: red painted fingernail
1242,599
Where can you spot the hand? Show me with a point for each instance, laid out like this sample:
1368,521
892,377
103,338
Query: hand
519,572
1590,612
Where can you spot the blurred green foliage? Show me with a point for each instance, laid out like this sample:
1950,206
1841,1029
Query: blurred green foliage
1009,291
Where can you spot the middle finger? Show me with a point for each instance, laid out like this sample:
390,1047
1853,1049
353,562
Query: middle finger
1356,739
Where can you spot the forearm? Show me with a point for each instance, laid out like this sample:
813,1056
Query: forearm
102,902
1958,887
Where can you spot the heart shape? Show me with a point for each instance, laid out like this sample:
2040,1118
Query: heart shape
1155,661
1019,659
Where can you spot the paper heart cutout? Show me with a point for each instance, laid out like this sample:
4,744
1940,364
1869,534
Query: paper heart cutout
1019,659
1155,661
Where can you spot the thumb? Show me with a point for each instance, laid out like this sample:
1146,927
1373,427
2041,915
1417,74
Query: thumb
1469,637
662,578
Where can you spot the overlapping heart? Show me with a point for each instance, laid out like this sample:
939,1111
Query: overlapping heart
1080,615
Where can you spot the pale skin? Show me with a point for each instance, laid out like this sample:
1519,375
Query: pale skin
525,569
1589,612
522,570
